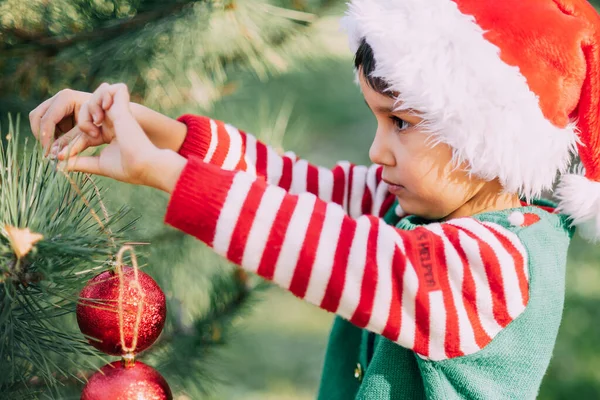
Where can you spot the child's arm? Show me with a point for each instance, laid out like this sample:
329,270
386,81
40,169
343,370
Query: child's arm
443,290
163,131
358,189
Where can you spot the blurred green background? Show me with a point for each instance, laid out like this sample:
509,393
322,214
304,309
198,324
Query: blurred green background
278,347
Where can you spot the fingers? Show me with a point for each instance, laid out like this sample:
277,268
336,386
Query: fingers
129,150
96,102
85,123
120,95
120,102
62,141
70,144
35,116
89,165
107,101
115,100
108,105
62,105
79,144
92,113
130,133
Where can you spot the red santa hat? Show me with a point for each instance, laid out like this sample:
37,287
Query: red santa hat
513,86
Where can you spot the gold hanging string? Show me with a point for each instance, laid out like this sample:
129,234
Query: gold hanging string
128,351
128,356
89,206
95,216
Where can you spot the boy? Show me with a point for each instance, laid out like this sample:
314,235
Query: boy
474,100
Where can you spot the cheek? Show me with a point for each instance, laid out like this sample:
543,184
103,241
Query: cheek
420,167
432,197
433,189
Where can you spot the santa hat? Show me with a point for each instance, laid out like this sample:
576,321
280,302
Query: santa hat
513,86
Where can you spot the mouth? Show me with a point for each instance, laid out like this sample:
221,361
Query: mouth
393,188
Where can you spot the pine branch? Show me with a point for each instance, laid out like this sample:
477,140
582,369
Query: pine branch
175,58
39,288
37,41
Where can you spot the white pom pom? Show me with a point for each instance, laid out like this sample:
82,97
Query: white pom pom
516,218
579,198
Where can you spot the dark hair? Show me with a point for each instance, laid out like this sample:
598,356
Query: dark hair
364,58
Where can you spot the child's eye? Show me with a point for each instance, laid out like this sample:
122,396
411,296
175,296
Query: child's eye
400,123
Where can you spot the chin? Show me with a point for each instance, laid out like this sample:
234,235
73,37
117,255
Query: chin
417,208
408,207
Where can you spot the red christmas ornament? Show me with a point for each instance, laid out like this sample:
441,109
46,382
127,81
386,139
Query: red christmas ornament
98,312
115,381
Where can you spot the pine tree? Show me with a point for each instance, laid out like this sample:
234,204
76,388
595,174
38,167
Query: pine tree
170,53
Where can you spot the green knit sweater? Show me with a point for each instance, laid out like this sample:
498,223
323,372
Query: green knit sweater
363,365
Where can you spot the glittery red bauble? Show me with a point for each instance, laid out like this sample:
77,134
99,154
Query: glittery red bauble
97,311
117,382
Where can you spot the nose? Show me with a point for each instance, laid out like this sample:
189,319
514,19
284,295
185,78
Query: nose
380,152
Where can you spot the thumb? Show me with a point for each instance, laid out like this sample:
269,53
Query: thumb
89,165
120,106
127,130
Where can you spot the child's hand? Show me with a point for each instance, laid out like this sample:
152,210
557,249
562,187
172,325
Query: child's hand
93,112
86,133
129,152
56,118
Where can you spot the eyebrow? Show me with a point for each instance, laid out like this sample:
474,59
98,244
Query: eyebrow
389,110
380,108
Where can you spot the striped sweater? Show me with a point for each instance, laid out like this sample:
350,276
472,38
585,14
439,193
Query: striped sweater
442,290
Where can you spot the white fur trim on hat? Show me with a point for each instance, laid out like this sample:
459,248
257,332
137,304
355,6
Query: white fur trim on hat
579,198
441,65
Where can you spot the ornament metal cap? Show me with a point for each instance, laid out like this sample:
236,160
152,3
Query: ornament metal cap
128,360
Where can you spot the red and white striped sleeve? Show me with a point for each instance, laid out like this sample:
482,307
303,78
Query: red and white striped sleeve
358,189
443,290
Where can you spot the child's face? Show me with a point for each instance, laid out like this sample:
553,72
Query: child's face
421,176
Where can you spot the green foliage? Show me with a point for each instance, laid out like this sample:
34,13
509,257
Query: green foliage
42,352
38,291
169,52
